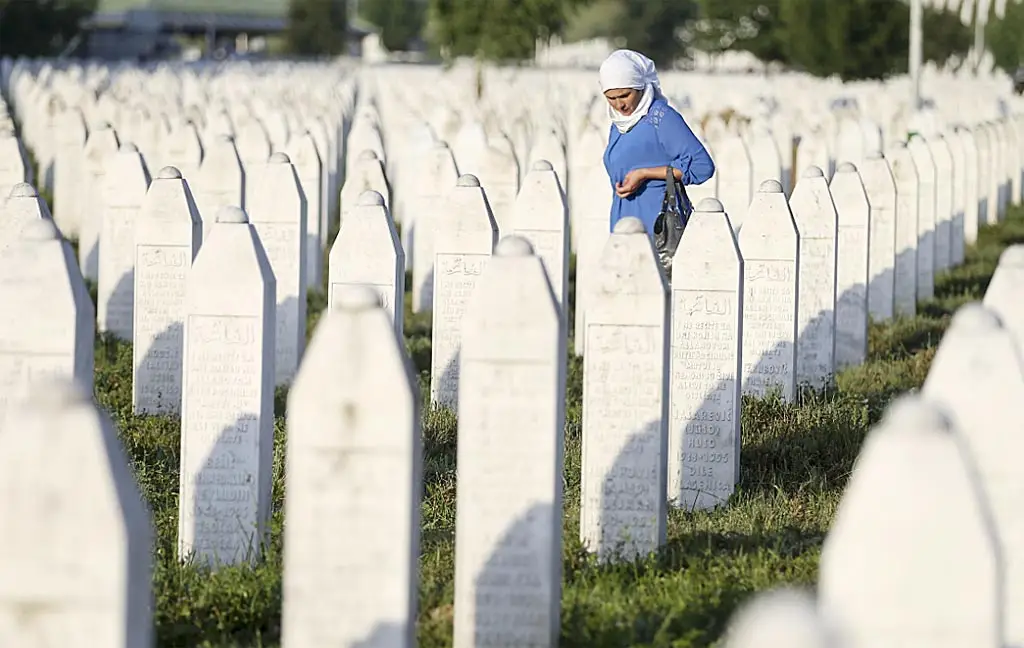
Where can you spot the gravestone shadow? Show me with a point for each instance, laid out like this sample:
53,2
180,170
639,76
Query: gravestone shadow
115,305
507,579
209,517
161,354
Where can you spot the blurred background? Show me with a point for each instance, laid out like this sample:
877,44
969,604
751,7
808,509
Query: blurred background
850,39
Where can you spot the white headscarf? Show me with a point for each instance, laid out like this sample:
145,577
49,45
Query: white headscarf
629,69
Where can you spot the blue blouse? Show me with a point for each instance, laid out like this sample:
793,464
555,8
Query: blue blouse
660,138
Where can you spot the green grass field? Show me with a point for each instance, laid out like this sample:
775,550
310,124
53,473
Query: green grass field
795,462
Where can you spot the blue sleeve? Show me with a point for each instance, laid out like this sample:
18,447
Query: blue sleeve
687,153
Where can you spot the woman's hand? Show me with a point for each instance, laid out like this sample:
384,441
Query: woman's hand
632,182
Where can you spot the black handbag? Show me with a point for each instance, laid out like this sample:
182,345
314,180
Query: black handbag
671,221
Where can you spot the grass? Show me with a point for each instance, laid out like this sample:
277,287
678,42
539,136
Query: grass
795,462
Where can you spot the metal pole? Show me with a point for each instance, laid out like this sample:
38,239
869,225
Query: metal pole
916,40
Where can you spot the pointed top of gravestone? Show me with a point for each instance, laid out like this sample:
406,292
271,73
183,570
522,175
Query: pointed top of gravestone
542,165
440,144
24,190
976,318
874,155
846,167
39,229
770,186
812,172
103,125
278,157
356,298
232,214
899,145
128,147
711,206
629,225
369,154
1012,256
913,415
468,180
371,199
513,246
168,173
223,138
783,617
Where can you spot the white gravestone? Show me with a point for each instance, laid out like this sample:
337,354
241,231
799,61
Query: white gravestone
430,185
309,169
278,214
817,224
780,618
101,146
904,173
977,368
368,252
219,182
227,409
77,570
22,207
354,484
970,147
541,216
69,170
945,176
368,175
47,320
735,173
1003,292
880,188
959,181
625,400
770,249
852,265
125,185
926,217
706,341
168,234
911,536
464,236
508,529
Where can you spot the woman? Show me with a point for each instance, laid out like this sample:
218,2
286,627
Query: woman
647,136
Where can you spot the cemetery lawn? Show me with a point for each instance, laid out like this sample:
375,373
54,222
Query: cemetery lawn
795,462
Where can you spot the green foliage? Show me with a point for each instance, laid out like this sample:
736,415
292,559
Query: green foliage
317,27
739,24
399,21
854,39
40,27
496,30
1003,38
653,27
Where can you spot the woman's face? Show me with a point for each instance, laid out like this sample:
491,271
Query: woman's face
623,100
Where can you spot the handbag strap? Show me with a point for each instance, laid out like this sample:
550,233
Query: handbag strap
670,190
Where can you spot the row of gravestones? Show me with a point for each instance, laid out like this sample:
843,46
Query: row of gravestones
945,475
790,345
852,139
927,546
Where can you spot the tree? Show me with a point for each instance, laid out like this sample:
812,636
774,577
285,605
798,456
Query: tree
1003,38
654,27
399,21
497,30
40,27
317,27
854,39
748,25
